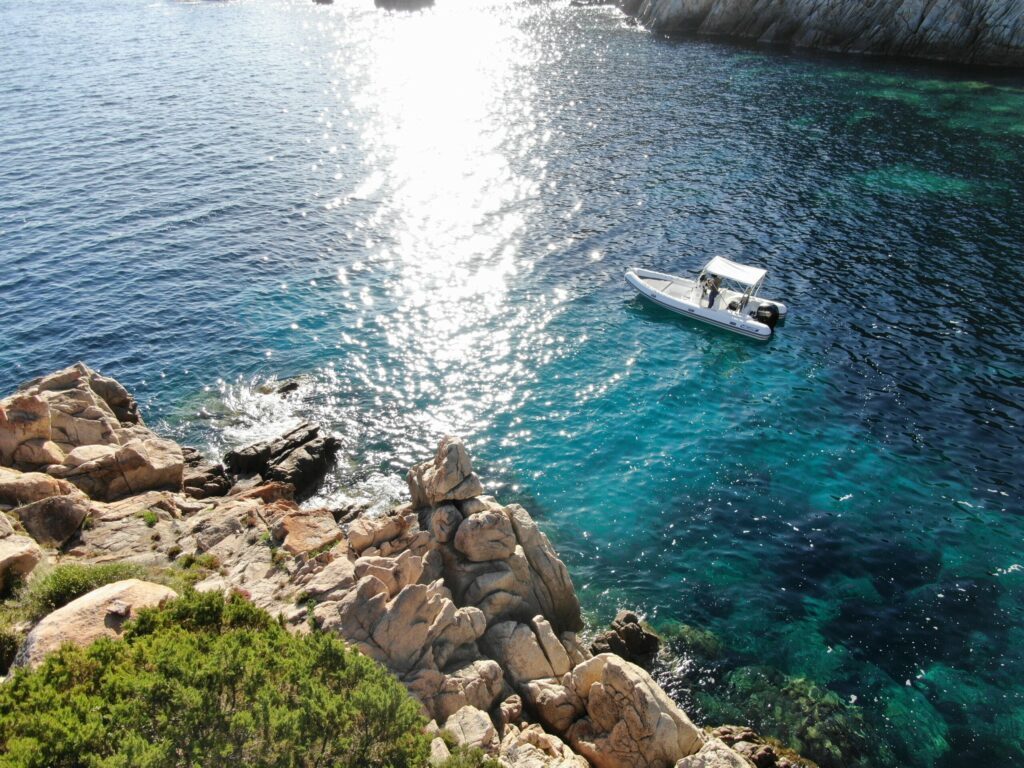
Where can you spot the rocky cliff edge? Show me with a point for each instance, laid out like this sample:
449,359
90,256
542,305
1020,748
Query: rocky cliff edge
984,32
462,598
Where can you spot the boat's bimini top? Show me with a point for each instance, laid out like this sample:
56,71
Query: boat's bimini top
722,267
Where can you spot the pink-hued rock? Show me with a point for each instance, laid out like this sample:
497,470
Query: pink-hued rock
101,613
630,721
449,477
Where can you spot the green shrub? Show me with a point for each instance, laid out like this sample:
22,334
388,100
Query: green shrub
209,681
9,642
60,585
467,757
149,517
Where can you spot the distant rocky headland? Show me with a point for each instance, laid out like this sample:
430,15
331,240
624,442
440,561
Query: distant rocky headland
462,598
983,32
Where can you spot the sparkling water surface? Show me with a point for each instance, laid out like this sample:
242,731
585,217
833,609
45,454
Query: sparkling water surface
427,217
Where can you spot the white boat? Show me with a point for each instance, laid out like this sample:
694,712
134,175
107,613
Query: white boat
724,294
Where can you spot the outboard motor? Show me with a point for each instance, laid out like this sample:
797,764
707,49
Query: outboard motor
767,314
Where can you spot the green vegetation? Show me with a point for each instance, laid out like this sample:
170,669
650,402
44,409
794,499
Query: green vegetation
209,680
149,517
469,757
10,639
58,586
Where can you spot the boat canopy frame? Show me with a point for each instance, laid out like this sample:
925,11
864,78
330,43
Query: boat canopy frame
749,277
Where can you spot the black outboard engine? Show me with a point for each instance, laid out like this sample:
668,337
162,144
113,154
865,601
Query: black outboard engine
767,314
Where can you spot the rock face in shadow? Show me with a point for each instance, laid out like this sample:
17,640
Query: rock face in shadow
989,32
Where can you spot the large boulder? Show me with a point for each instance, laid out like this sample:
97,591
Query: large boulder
54,520
551,587
109,472
630,721
449,477
557,706
18,556
366,532
100,613
17,488
308,530
23,419
485,536
473,728
516,647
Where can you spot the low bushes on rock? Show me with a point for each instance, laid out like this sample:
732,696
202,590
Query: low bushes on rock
209,681
62,584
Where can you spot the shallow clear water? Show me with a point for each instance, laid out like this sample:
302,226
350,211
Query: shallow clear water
428,216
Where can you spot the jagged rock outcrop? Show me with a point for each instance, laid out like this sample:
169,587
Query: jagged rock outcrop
752,747
449,477
202,478
628,639
101,613
970,31
300,457
630,721
715,754
464,599
84,428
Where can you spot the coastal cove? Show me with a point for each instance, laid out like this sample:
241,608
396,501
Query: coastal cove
425,219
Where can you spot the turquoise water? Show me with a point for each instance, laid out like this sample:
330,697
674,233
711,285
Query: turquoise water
427,218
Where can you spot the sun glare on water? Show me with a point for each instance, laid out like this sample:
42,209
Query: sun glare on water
445,101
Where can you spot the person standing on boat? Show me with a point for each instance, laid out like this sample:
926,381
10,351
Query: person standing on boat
713,286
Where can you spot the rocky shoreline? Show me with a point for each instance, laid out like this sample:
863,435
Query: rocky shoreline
989,32
462,598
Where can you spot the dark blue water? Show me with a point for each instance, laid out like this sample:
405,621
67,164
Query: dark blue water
427,217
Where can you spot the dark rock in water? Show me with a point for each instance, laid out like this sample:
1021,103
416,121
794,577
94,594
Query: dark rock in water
403,5
627,638
300,457
970,31
290,386
305,466
202,478
254,458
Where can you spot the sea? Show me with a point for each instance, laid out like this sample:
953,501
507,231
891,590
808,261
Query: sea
424,218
